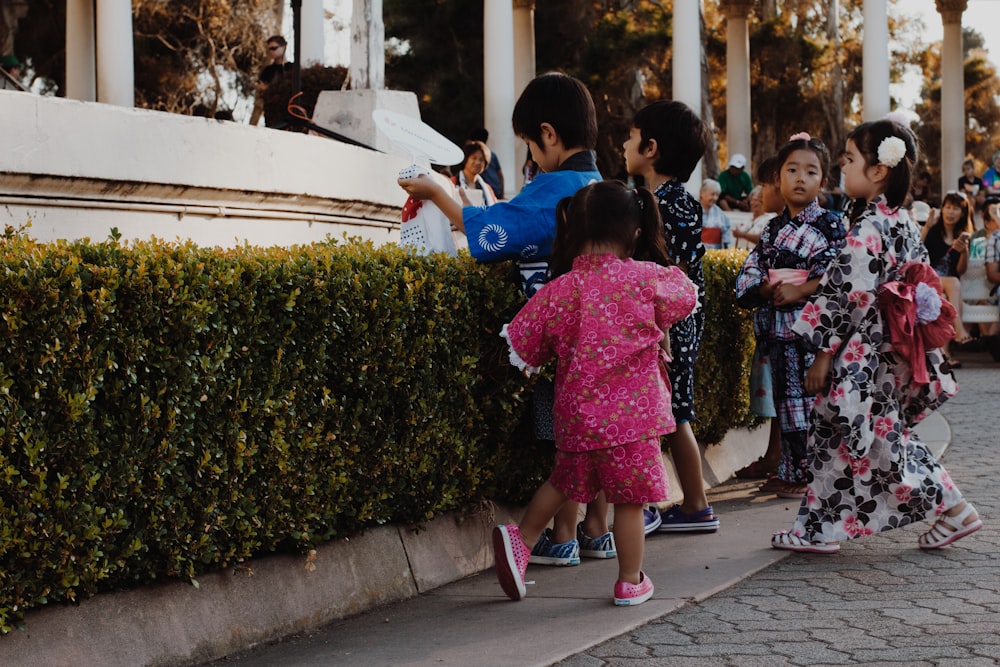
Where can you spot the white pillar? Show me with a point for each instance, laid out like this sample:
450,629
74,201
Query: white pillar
498,87
687,65
524,72
738,132
952,93
81,51
115,60
875,60
313,38
367,46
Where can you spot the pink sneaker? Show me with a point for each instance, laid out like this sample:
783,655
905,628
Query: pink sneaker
511,555
629,595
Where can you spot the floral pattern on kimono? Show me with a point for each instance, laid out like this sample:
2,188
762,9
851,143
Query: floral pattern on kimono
870,471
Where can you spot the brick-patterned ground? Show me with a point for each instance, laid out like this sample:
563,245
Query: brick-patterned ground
880,601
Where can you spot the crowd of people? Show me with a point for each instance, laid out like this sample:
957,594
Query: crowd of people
850,317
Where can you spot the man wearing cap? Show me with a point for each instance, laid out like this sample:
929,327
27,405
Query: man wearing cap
736,185
12,67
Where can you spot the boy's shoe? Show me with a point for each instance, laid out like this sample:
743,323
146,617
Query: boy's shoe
596,547
629,595
511,556
675,520
650,520
547,552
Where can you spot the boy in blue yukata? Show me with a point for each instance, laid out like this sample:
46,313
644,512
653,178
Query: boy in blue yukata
555,117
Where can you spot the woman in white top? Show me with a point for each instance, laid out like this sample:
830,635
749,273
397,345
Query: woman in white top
748,235
472,189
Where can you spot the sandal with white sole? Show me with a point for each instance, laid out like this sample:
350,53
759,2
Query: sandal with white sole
785,540
948,529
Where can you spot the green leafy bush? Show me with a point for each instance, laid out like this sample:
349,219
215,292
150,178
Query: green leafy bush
167,410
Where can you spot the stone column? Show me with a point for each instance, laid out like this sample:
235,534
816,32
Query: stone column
115,59
738,132
498,86
313,38
524,72
686,75
952,93
81,51
367,46
875,59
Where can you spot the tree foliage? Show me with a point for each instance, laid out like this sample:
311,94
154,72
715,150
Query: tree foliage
982,89
188,53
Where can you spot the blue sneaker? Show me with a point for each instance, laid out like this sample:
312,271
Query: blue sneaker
547,552
674,520
650,520
596,547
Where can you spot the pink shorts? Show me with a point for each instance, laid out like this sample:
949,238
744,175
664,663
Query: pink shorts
628,474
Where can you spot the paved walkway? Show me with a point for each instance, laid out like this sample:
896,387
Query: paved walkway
724,598
880,601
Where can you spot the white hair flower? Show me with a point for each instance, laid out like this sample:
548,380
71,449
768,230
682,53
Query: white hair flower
891,151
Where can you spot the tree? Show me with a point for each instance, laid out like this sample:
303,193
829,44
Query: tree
982,88
188,53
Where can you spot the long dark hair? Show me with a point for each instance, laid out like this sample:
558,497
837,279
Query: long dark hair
965,224
608,212
868,137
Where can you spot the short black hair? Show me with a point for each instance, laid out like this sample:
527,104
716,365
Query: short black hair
561,101
681,136
768,170
277,38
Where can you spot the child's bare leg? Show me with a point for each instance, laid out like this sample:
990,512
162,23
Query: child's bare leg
630,540
595,522
773,453
687,459
564,525
544,505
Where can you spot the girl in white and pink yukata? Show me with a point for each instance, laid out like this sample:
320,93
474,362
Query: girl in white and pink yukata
604,318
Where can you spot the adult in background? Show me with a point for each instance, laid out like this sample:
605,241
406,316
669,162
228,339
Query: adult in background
276,47
11,77
947,236
736,185
971,184
991,177
716,230
493,174
472,189
921,188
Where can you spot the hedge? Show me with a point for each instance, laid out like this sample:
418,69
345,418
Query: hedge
168,410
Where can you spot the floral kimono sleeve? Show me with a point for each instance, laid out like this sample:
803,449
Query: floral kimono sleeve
676,296
530,334
845,299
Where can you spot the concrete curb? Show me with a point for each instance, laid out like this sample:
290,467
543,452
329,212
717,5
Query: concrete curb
277,596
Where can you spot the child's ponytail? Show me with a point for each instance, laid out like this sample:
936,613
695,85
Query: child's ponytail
892,145
651,245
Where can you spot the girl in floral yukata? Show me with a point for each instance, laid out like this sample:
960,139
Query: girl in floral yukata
876,320
605,321
779,274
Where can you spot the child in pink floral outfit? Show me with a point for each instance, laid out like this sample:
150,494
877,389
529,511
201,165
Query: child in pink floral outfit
605,323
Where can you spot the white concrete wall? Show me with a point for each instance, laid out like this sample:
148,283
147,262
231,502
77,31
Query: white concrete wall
79,168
